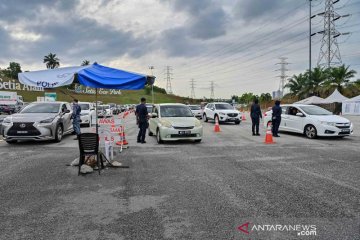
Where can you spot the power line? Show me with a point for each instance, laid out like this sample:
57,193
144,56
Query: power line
192,85
283,63
212,95
329,54
168,79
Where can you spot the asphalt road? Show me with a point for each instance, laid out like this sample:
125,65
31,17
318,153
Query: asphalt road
185,190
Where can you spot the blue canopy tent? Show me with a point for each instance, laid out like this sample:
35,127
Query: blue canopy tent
95,75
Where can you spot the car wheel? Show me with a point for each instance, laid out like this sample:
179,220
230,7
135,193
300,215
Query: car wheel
237,122
158,137
198,140
150,133
59,133
205,118
310,132
12,142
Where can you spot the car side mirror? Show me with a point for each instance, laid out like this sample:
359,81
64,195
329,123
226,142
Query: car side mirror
154,115
300,115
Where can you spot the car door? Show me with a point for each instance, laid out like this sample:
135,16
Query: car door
294,123
154,121
210,111
66,117
284,118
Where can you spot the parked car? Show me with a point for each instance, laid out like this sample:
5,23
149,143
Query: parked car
87,113
312,121
172,122
11,108
108,112
39,121
224,112
196,110
101,112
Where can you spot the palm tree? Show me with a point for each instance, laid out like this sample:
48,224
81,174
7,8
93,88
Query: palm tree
339,77
51,61
85,63
297,85
313,85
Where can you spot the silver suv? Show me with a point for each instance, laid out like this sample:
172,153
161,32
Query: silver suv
39,121
224,112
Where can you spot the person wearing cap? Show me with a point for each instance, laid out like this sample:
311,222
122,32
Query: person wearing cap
142,120
255,113
276,118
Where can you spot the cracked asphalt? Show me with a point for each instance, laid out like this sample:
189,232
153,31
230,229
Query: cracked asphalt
184,190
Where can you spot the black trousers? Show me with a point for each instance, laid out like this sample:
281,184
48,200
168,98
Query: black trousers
255,125
275,126
142,131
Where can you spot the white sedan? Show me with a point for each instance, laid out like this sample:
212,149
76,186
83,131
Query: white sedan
173,122
312,121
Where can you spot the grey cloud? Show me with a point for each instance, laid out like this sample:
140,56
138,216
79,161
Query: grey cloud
250,10
14,10
176,43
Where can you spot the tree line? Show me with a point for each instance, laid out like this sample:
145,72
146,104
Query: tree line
322,82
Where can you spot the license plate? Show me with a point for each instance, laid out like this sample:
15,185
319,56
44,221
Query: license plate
184,132
22,131
345,130
231,119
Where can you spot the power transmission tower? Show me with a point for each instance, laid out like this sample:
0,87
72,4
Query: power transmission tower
212,95
168,73
192,85
329,54
283,75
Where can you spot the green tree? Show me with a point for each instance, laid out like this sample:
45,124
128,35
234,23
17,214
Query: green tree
52,61
297,85
313,86
13,70
339,77
85,63
265,97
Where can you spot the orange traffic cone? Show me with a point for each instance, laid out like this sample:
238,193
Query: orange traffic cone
217,126
268,136
122,138
243,118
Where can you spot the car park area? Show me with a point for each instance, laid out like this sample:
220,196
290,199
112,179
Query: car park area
183,190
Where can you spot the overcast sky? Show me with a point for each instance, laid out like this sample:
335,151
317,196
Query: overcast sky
235,43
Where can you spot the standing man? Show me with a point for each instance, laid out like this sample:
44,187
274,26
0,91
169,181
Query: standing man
255,114
76,117
276,118
142,120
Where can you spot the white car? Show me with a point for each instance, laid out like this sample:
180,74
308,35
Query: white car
196,110
87,113
224,112
312,121
173,122
107,108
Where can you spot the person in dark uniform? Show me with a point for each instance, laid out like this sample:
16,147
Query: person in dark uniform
276,118
142,120
255,114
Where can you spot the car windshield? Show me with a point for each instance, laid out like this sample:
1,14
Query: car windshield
84,106
224,106
194,107
42,108
315,110
100,108
149,109
175,111
106,107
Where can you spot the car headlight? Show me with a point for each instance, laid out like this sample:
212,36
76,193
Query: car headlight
197,123
329,123
7,122
221,113
49,120
165,123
